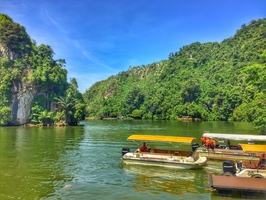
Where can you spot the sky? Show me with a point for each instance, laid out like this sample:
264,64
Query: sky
101,38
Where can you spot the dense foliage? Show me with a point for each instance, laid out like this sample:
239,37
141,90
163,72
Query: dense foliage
212,81
22,62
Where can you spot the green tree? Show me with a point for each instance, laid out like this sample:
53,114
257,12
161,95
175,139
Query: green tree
14,38
5,115
35,112
136,114
67,104
45,118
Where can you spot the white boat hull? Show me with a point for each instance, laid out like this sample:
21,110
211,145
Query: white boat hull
163,160
253,173
225,154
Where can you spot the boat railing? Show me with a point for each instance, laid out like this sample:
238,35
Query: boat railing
250,164
177,153
171,152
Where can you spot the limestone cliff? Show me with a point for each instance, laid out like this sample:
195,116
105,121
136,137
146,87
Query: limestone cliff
28,74
22,99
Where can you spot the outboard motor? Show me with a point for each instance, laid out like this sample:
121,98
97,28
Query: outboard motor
229,168
239,165
195,146
125,150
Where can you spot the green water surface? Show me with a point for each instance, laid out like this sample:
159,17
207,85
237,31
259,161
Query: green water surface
84,162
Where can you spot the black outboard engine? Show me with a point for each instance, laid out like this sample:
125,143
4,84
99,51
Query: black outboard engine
125,150
229,168
195,146
239,165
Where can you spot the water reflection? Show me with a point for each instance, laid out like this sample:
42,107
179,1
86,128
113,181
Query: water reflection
174,181
31,161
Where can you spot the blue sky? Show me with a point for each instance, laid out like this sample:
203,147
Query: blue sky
100,38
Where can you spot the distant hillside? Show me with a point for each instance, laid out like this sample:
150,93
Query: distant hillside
212,81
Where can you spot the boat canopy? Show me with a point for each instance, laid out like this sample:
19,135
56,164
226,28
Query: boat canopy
160,138
254,148
235,136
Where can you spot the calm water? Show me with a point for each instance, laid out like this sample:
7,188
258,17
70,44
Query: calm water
84,162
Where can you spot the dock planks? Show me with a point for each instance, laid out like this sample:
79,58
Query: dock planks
246,185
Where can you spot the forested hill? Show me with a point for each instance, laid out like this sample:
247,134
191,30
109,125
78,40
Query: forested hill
212,81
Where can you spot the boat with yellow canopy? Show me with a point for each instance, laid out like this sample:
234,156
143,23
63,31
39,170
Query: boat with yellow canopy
244,176
255,168
165,157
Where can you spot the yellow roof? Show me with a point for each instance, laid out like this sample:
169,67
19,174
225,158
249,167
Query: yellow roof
255,148
161,138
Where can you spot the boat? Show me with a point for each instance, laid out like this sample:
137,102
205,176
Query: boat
253,168
224,150
247,177
170,157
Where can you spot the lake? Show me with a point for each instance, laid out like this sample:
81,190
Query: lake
84,162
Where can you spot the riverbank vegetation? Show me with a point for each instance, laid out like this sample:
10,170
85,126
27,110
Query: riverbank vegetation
212,81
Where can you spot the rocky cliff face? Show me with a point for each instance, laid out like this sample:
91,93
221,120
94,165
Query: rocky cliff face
6,53
22,95
22,99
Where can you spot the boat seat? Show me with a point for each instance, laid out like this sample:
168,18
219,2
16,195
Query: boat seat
221,146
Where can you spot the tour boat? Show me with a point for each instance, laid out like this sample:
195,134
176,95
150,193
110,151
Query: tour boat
170,157
253,168
225,151
246,177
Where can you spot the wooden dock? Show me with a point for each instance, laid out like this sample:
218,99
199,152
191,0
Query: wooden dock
248,187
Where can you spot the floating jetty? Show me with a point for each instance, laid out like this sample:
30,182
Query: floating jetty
248,187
